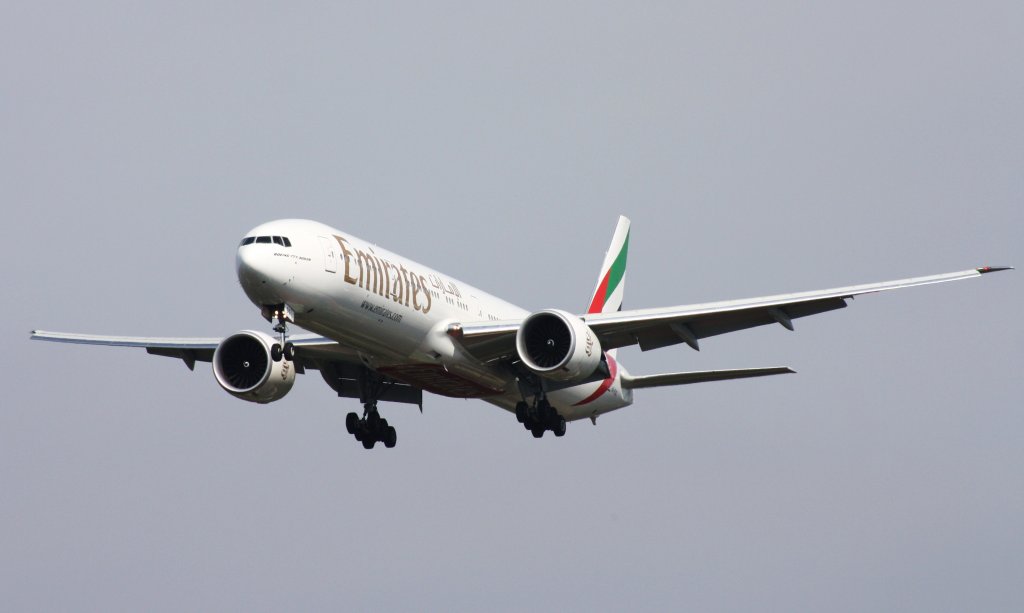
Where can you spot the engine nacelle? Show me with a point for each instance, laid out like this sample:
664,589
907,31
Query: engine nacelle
558,345
245,369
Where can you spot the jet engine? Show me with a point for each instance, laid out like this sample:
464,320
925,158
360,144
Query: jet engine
244,366
558,345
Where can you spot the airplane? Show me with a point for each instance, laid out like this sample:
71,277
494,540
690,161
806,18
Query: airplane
383,328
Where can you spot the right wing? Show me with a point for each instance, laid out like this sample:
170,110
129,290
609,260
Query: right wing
309,348
340,366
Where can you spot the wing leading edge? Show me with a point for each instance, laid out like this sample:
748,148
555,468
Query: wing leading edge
189,350
654,328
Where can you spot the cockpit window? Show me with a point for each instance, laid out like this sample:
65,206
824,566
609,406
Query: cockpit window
277,240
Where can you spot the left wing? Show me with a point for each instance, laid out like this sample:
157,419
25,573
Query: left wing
685,378
654,328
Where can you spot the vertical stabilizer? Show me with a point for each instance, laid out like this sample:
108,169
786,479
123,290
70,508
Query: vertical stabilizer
611,282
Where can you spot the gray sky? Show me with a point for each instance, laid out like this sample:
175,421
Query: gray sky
758,149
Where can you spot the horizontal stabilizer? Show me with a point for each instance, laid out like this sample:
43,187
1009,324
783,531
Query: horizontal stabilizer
684,378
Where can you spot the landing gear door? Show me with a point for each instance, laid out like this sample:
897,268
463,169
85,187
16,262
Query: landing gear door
330,259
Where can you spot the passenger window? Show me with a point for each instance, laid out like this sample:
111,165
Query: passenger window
262,239
287,243
278,241
248,240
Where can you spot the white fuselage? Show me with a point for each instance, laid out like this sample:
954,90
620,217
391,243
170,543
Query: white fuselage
395,313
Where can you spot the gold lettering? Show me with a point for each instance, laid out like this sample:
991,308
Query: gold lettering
369,275
415,290
381,277
385,288
426,307
396,286
408,287
348,258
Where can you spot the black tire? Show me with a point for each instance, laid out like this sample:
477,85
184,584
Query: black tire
369,442
372,418
351,423
390,437
521,412
559,428
276,352
538,431
289,352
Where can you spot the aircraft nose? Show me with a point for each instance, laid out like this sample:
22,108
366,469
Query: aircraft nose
260,276
263,275
247,265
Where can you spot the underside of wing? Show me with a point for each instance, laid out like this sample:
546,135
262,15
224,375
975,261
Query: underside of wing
703,376
340,366
310,349
654,328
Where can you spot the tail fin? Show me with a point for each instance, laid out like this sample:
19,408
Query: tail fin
612,281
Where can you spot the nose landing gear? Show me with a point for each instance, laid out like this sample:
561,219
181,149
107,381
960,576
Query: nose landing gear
282,314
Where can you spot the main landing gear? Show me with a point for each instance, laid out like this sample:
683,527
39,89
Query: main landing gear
369,429
540,417
372,428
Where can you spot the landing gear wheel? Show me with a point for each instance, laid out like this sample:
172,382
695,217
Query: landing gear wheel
289,352
276,352
559,427
368,427
351,423
538,431
521,409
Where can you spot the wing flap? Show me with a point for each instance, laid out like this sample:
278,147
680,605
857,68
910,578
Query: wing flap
663,334
188,356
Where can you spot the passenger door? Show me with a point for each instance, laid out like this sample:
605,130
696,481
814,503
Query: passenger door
330,260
